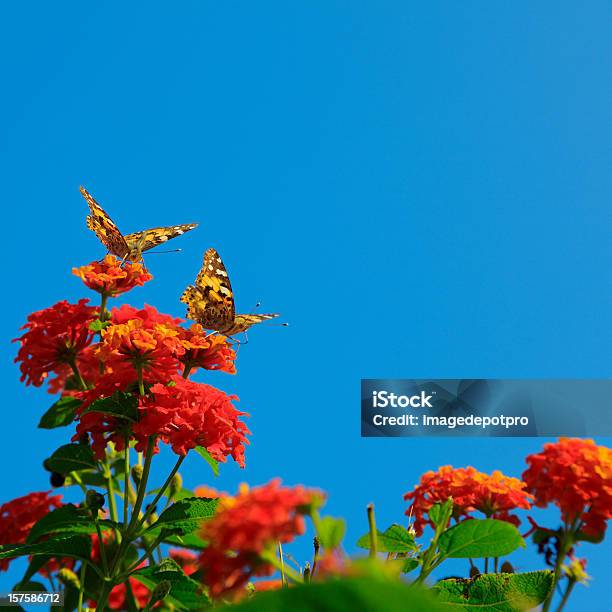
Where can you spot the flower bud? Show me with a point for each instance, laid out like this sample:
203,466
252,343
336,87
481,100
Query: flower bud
160,591
94,500
176,484
507,568
576,570
57,480
474,571
137,475
307,573
69,578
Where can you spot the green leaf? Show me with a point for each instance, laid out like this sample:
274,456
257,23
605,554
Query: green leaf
396,539
214,464
330,531
92,479
67,520
98,325
120,405
409,565
480,538
440,514
71,458
185,593
496,592
77,547
365,594
185,516
191,540
182,494
60,414
35,564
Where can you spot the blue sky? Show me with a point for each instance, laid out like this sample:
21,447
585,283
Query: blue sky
420,191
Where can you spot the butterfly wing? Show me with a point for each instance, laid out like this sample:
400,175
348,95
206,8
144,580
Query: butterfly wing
150,238
211,301
104,228
242,322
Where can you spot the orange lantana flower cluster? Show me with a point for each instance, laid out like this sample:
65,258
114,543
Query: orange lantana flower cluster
494,495
111,277
575,475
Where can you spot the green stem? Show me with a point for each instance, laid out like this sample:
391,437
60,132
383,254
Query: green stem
566,540
77,375
142,487
77,479
271,557
102,547
146,555
82,585
126,481
166,484
103,307
282,565
570,585
187,371
373,532
141,388
110,487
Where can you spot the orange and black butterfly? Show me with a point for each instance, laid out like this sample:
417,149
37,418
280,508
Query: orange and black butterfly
210,301
128,246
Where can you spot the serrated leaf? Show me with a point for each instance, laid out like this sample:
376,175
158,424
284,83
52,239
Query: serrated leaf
496,592
185,593
71,458
343,594
396,539
67,519
119,405
185,516
60,414
330,531
480,538
77,547
214,464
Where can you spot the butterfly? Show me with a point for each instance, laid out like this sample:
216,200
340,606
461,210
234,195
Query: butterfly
130,246
210,301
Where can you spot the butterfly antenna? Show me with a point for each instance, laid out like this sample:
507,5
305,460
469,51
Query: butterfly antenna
160,252
255,308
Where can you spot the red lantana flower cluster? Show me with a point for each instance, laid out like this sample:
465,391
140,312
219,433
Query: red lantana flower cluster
95,353
19,515
245,527
55,341
575,475
494,495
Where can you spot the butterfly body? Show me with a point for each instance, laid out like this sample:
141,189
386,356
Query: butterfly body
210,301
130,246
